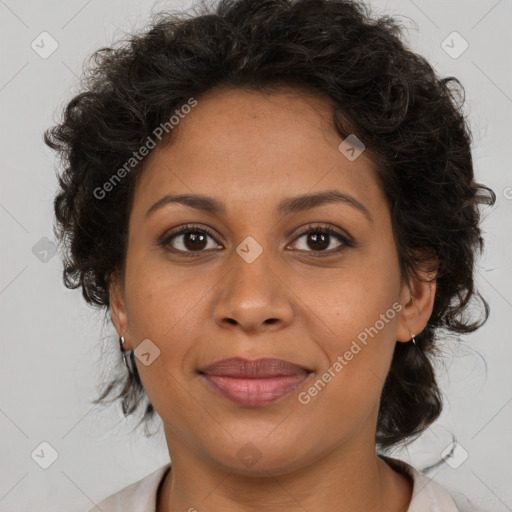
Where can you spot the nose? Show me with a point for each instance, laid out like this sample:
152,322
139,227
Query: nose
254,297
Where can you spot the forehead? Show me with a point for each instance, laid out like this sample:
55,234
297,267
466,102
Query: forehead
253,146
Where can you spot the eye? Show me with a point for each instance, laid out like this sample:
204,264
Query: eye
192,238
322,240
188,239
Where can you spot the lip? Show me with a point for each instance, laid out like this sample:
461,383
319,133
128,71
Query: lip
253,383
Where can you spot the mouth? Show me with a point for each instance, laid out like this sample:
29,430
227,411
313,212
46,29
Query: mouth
253,383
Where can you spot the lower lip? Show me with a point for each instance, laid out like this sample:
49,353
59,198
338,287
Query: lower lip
254,392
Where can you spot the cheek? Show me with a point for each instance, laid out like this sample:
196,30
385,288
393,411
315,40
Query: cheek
358,349
355,297
162,300
354,322
168,308
164,310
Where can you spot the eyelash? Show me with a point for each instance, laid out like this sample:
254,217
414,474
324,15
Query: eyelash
164,241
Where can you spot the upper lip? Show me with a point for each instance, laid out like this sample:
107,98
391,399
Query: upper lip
258,368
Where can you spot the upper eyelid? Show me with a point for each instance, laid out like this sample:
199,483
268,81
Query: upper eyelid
187,228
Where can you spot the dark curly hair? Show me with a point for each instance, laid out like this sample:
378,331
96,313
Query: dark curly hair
410,120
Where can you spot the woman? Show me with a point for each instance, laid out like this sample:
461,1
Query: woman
275,202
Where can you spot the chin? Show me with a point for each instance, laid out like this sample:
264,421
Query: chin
259,457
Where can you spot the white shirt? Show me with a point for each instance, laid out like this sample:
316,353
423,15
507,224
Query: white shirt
427,495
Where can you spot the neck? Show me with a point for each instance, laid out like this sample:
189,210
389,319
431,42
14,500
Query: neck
349,480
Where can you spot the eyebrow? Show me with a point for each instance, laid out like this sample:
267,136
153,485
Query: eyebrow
286,207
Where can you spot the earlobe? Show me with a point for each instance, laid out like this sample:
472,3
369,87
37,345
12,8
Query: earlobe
418,303
118,308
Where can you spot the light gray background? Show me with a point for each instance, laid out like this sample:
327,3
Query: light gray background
55,349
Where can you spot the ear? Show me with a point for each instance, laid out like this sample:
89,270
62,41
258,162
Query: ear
417,299
118,307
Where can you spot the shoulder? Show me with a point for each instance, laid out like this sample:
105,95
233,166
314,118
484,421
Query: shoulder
139,496
427,494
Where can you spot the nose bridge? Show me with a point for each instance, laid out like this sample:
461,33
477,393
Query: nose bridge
251,294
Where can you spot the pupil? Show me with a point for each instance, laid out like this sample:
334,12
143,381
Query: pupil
323,241
194,239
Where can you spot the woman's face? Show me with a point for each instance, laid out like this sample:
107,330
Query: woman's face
258,286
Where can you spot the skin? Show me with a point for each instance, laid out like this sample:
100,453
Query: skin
251,150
